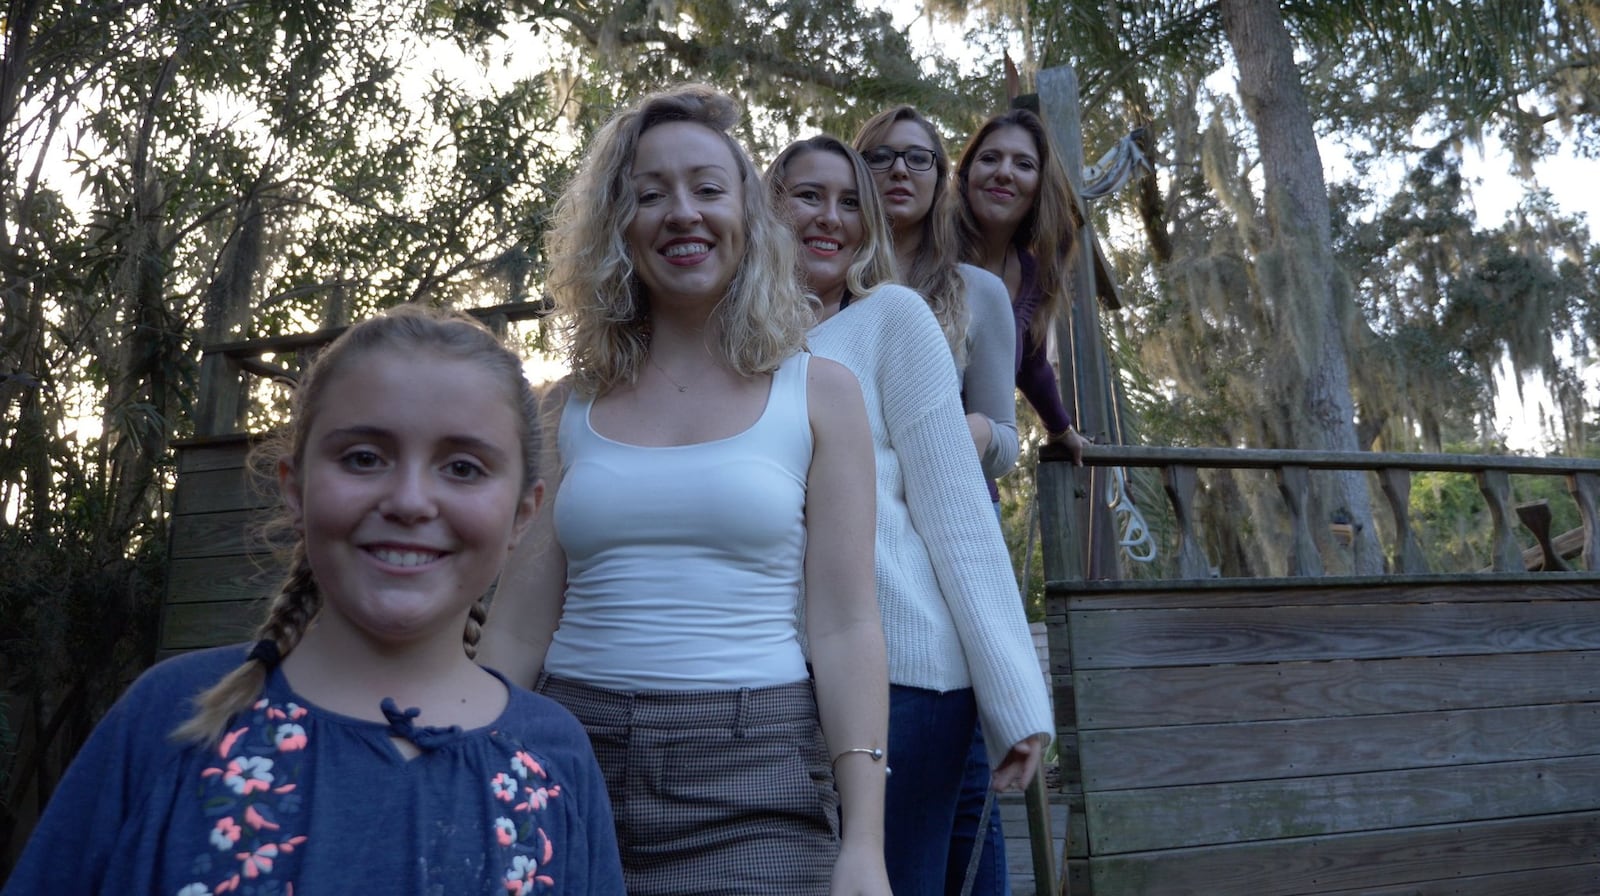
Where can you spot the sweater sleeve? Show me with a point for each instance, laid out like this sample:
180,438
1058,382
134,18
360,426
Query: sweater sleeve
987,385
950,509
1035,377
1037,380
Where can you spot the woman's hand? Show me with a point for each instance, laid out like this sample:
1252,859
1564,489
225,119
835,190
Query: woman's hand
859,870
1020,765
1074,441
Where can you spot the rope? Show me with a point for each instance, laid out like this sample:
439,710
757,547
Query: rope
1135,540
1115,168
978,839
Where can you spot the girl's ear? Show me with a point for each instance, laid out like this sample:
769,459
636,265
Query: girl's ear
289,488
527,509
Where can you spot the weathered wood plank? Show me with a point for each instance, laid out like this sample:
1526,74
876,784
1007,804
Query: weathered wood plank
1196,695
1573,880
1214,593
1524,847
1202,814
1203,754
214,534
209,491
1103,640
221,579
223,453
188,626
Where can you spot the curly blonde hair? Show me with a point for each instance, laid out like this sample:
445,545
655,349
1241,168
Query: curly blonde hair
1049,232
764,316
411,329
933,271
874,263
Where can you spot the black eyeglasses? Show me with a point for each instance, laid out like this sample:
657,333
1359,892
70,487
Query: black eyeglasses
882,158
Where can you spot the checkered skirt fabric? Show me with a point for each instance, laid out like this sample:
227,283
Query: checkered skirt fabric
714,792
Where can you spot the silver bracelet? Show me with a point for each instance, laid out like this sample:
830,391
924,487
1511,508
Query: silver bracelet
873,753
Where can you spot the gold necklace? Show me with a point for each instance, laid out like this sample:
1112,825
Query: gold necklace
681,387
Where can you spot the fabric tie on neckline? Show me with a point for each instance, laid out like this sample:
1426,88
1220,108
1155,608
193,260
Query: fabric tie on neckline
426,737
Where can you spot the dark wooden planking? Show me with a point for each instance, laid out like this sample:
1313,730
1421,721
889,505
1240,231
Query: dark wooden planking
1115,639
223,453
1522,849
1204,754
1204,814
1118,698
209,491
222,579
226,534
1340,590
188,626
1573,880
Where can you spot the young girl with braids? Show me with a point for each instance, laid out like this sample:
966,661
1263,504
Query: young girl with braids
356,746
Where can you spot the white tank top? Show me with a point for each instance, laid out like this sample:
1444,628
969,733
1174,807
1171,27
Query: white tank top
684,563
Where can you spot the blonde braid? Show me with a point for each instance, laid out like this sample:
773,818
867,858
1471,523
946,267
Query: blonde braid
288,618
476,617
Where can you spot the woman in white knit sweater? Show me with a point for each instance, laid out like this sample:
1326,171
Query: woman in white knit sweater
958,641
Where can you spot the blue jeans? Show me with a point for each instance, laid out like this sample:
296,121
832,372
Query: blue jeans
993,878
929,733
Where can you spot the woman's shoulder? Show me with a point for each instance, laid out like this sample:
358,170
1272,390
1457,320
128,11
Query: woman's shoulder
896,300
828,379
985,292
977,278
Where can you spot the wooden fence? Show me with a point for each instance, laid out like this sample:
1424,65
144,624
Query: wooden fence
1417,732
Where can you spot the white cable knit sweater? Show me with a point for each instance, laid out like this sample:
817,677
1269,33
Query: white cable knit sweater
951,612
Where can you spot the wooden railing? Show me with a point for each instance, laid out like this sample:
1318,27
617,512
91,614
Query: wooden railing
226,369
1065,491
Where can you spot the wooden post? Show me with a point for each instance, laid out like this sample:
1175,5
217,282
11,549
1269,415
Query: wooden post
1085,371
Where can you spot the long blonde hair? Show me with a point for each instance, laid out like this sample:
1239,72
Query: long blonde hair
933,271
411,329
874,263
1049,232
765,314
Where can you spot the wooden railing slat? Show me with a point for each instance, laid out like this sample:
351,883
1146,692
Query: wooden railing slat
1396,484
1585,489
1294,482
1180,481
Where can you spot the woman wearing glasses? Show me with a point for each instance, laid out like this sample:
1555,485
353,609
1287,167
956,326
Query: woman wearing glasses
911,174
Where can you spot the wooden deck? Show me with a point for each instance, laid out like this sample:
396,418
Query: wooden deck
1400,734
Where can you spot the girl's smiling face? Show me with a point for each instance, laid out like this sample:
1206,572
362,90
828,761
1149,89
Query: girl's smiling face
409,494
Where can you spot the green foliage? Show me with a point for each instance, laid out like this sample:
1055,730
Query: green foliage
1452,522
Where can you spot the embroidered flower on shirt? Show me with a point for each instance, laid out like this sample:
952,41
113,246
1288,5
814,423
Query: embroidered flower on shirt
225,834
530,847
249,791
290,737
249,774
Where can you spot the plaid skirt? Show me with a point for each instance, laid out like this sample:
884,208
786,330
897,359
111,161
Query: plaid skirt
714,792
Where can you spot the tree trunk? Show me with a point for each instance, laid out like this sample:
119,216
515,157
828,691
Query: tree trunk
1307,304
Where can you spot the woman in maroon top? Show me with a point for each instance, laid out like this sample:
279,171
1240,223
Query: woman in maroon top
1019,220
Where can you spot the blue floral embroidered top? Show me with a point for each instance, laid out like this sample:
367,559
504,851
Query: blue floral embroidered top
295,799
